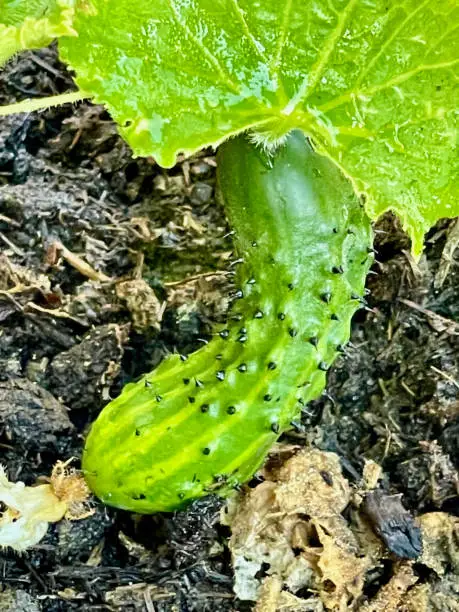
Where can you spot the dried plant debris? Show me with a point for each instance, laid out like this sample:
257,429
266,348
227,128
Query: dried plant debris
313,471
444,477
400,596
207,292
70,488
447,256
443,596
93,303
268,597
293,524
273,598
16,279
434,473
19,286
140,597
390,596
372,474
341,571
304,532
440,532
140,299
27,511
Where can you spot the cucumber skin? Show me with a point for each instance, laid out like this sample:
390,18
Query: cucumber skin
205,424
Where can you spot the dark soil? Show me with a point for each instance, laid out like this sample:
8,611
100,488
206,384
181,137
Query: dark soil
69,186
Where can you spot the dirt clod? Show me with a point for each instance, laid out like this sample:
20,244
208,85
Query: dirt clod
82,376
31,418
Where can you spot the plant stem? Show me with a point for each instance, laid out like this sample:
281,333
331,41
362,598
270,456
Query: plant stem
27,106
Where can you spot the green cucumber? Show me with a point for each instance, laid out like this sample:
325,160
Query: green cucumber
205,423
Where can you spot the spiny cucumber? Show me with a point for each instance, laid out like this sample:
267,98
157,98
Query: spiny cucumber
205,423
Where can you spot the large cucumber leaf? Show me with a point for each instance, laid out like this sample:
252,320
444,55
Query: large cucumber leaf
374,83
25,24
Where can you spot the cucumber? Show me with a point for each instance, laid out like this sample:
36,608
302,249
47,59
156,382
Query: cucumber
205,423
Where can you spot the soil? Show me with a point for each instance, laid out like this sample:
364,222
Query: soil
109,262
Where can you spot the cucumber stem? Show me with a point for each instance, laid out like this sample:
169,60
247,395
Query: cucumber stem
28,105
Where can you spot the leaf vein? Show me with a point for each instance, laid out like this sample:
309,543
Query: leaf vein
245,26
401,26
347,97
405,76
207,53
282,36
310,81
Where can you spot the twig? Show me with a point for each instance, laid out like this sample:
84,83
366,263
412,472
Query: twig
439,323
56,312
9,221
148,602
40,62
184,281
445,376
81,265
12,246
9,297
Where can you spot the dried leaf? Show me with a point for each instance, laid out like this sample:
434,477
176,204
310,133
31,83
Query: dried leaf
314,472
283,516
268,598
440,532
389,597
344,569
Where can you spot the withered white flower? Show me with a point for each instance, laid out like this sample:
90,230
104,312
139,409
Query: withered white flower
28,510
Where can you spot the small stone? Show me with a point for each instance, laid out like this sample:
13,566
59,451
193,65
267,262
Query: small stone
201,193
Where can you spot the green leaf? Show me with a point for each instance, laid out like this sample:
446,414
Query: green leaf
374,83
27,24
